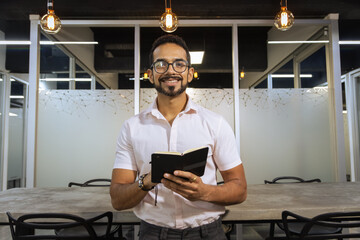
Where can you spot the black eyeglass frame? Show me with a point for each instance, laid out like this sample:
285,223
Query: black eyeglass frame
168,65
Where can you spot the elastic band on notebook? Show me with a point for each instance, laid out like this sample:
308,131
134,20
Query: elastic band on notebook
156,194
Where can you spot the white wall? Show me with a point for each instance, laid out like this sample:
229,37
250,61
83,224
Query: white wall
283,131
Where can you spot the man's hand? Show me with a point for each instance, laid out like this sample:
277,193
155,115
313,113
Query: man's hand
190,186
186,184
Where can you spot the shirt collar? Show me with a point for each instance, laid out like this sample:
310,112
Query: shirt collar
190,107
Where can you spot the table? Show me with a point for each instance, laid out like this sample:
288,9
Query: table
265,202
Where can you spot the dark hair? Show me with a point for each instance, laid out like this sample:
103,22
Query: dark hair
169,38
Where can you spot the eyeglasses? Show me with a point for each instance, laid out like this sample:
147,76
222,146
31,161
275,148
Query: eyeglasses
161,66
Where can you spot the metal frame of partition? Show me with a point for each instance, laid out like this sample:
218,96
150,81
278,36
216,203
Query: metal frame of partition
5,130
25,126
333,70
333,67
353,123
5,127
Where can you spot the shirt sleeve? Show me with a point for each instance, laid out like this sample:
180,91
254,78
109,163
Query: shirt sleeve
124,157
226,155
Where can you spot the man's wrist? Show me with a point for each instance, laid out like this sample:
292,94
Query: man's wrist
141,183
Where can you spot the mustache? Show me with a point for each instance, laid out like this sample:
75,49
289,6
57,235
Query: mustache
167,77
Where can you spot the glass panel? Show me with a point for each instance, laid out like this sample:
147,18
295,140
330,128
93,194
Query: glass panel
16,134
114,55
99,86
280,79
313,70
83,79
281,50
277,121
1,123
253,57
54,63
74,117
263,84
276,130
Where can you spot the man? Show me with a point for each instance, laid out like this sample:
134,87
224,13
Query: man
183,205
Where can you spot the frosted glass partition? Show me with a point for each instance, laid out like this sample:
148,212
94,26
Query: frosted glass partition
283,131
218,100
77,131
16,147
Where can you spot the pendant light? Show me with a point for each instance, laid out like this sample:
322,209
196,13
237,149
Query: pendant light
242,73
168,20
284,20
196,75
50,23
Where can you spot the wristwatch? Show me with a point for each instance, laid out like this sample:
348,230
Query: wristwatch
141,183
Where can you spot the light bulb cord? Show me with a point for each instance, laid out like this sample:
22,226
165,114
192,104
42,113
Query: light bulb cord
282,3
166,5
50,5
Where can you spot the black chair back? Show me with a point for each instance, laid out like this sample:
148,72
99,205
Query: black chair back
284,179
105,182
295,225
28,226
340,220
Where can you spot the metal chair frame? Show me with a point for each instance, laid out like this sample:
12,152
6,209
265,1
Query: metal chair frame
295,180
90,183
280,180
24,227
340,220
95,183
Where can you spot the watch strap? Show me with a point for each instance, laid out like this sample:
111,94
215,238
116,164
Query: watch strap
141,183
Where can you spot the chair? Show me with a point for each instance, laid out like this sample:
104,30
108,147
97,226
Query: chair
58,226
327,222
292,179
285,180
98,182
92,183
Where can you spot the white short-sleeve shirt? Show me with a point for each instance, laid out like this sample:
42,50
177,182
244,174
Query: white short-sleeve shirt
150,132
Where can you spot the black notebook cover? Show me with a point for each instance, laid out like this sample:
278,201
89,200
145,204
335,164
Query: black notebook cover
193,160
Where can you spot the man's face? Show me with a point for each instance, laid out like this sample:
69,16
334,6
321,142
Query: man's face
170,83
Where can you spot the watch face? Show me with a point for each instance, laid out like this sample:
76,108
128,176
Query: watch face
141,184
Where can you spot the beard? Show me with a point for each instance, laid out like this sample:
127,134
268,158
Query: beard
170,91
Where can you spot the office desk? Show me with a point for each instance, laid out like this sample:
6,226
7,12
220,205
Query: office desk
264,203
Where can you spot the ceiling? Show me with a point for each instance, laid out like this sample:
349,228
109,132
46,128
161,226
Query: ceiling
16,13
144,9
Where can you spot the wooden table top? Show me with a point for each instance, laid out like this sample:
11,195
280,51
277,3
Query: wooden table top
265,202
